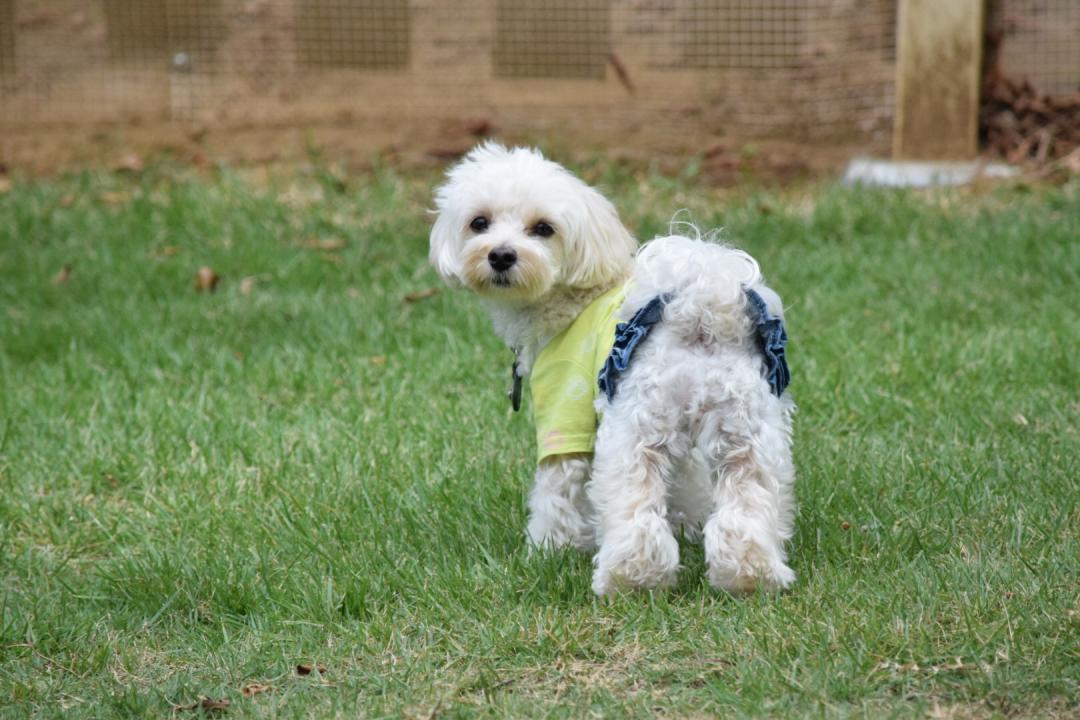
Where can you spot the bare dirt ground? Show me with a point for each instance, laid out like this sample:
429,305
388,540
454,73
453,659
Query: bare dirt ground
359,145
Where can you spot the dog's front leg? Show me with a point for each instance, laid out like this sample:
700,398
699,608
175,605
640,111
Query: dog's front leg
559,510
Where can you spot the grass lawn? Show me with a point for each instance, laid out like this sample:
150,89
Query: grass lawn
315,464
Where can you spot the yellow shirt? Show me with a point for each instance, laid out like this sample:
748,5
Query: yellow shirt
563,379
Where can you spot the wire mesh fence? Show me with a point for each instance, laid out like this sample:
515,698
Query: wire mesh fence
1040,42
798,69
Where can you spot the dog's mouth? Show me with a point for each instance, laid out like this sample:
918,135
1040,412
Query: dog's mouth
524,280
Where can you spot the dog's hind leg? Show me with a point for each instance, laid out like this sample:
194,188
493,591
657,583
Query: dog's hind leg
631,470
754,511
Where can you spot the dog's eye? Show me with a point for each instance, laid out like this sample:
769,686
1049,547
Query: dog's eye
479,224
542,229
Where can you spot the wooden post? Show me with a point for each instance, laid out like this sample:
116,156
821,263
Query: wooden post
939,50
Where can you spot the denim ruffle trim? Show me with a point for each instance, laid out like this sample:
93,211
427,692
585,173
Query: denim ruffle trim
627,337
772,340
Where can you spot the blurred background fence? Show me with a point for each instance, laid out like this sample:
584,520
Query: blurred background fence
802,70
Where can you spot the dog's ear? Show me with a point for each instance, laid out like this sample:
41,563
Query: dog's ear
443,253
598,248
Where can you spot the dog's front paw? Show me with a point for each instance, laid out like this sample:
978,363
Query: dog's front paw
543,534
557,540
640,555
739,564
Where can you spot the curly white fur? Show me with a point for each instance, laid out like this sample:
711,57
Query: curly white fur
693,439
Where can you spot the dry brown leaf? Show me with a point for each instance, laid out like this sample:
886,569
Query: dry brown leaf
325,243
477,127
114,197
247,285
1071,162
130,162
254,688
62,275
206,280
421,294
447,152
306,669
205,703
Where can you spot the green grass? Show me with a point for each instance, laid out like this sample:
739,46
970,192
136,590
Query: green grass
201,491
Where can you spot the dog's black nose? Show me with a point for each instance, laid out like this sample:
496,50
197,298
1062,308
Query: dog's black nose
502,258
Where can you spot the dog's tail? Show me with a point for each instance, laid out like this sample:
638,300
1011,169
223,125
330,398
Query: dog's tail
706,283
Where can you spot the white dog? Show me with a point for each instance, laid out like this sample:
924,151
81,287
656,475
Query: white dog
691,429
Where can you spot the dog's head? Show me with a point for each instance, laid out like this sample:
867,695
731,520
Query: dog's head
512,226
